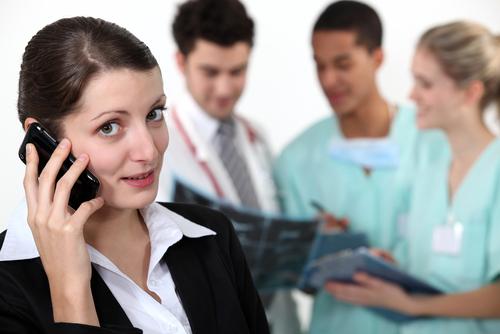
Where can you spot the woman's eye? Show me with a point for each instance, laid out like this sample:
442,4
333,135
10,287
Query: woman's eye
156,114
109,129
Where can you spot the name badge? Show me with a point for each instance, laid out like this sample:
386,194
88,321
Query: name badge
402,225
447,239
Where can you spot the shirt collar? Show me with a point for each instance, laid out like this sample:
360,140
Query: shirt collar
18,243
205,124
156,217
165,229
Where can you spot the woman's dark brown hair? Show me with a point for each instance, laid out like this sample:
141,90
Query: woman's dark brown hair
61,58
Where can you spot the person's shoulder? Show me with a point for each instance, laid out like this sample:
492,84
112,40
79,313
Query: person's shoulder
312,137
407,109
2,238
17,275
426,141
433,146
253,129
491,155
318,132
249,123
406,116
21,264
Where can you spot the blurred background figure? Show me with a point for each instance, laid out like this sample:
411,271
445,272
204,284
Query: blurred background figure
453,232
211,147
351,161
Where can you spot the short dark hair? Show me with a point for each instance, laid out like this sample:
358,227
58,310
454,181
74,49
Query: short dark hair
223,22
353,16
62,57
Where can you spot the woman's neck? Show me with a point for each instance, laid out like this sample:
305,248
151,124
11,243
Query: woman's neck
123,238
468,138
111,227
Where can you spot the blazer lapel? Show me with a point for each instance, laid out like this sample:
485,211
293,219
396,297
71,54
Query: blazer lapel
192,286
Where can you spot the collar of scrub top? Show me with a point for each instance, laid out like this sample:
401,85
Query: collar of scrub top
161,222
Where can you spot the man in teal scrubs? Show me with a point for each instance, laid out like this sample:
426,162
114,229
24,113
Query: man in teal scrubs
354,162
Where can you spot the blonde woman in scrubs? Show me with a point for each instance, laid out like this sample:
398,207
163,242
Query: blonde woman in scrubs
453,231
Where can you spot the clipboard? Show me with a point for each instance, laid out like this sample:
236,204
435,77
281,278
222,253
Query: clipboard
342,267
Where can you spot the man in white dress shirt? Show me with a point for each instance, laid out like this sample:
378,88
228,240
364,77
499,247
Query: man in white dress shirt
211,147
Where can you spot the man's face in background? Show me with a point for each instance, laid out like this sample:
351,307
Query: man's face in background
215,75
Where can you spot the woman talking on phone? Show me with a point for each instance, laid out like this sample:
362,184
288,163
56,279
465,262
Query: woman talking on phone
453,232
119,263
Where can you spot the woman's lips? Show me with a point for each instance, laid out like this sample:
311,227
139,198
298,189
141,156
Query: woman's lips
140,181
336,98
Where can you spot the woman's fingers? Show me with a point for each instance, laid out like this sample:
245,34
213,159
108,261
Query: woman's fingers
48,200
86,210
47,179
30,181
369,281
348,292
371,291
67,181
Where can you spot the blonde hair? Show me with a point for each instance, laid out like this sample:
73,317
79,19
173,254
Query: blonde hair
467,51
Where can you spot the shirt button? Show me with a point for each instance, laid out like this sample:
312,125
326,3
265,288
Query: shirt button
153,282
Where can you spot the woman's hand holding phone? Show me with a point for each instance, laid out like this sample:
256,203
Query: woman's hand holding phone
58,233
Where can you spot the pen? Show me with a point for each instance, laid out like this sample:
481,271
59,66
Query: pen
317,206
330,221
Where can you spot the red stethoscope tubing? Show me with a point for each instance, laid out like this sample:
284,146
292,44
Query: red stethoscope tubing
252,137
204,166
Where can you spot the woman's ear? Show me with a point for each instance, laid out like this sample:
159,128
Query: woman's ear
474,92
27,122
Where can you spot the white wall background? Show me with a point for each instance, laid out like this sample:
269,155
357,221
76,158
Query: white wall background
282,92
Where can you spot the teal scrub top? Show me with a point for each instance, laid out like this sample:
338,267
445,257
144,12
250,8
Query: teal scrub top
476,207
306,171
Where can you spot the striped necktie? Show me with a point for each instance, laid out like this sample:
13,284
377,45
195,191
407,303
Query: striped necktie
235,164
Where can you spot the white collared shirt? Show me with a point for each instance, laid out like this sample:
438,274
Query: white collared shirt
165,229
206,125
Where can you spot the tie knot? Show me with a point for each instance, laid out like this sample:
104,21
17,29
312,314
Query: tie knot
227,128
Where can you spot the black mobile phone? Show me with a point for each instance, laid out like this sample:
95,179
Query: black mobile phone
86,186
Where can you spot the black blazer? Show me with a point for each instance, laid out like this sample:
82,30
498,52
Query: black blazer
210,275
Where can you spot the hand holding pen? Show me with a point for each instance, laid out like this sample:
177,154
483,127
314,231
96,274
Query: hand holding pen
331,223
